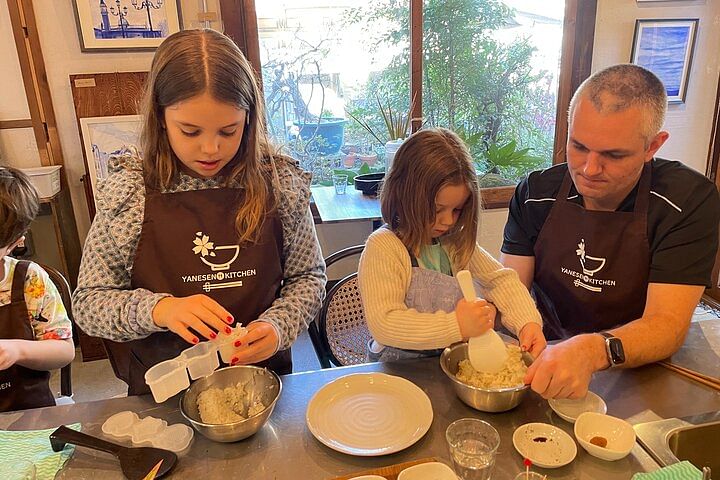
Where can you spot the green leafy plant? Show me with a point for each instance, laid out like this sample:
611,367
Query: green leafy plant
397,123
509,155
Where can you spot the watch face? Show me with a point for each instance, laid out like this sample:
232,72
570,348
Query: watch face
617,353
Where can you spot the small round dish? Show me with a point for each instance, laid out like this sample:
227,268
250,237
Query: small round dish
428,471
569,410
369,477
617,434
545,445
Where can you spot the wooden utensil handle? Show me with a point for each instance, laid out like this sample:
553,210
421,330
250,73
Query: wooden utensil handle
64,435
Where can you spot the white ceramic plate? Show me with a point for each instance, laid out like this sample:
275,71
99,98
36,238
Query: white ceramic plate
428,471
369,414
546,446
569,410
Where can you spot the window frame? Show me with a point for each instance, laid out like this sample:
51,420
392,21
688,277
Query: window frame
240,22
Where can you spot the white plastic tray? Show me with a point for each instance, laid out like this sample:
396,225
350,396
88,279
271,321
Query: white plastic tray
148,432
170,377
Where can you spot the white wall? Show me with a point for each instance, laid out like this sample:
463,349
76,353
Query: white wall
61,51
689,123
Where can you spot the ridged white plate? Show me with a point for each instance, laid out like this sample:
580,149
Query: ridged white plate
369,414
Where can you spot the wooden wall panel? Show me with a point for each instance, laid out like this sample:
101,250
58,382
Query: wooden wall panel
105,95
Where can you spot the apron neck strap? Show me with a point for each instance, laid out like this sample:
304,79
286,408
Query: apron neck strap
564,188
643,193
18,283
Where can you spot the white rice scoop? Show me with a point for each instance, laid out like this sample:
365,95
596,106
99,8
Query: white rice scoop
487,353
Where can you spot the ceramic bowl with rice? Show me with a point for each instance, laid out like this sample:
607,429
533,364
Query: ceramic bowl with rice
232,403
487,392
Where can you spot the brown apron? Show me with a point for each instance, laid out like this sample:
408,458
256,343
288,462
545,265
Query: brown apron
21,387
592,267
188,246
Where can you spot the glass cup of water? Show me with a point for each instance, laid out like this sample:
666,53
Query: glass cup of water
473,446
340,182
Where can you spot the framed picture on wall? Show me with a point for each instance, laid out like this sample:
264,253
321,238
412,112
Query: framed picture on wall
106,25
103,136
665,47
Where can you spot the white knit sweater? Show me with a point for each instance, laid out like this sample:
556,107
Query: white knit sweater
384,277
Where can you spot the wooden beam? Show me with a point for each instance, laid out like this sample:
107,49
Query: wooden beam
240,23
7,124
416,63
19,28
575,63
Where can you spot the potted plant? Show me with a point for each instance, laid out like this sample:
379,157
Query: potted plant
397,124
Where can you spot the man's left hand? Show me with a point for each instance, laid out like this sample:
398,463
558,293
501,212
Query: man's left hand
564,370
260,343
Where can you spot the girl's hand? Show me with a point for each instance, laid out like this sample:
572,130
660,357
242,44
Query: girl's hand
9,353
199,312
257,345
532,339
475,318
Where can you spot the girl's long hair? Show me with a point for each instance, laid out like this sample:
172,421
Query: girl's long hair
427,161
190,63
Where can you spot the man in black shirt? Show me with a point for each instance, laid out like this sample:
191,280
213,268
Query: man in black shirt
616,246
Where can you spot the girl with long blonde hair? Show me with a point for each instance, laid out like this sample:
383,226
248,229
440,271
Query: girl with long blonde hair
205,229
413,305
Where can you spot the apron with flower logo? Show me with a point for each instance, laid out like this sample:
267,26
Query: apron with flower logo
21,387
188,246
592,267
429,291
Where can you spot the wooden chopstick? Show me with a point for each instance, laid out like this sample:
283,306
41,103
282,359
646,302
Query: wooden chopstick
693,375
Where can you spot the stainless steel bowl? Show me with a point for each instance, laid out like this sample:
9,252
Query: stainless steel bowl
484,399
266,387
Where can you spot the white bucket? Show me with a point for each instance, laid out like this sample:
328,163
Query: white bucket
391,148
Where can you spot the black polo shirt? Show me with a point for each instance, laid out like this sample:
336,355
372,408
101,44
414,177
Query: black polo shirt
683,217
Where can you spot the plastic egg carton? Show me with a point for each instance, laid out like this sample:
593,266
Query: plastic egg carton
148,432
170,377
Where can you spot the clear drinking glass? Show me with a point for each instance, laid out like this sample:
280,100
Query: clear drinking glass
530,476
340,182
473,446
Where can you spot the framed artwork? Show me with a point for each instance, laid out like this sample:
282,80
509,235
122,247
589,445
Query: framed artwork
105,25
665,47
103,136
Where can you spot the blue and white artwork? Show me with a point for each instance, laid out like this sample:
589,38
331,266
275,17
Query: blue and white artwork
665,48
103,136
125,24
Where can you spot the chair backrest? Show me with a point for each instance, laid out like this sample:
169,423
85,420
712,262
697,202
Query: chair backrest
343,328
64,289
317,334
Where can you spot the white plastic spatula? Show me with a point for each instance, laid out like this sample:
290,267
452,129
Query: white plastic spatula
487,353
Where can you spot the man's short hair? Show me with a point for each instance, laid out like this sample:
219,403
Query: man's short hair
619,87
19,205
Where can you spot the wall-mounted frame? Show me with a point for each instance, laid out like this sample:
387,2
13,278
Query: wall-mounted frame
104,135
107,25
665,47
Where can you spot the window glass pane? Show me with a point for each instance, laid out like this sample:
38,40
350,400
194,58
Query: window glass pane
490,73
324,65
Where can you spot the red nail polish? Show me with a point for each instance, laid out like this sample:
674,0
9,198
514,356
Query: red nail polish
212,335
228,330
233,361
229,319
238,343
195,340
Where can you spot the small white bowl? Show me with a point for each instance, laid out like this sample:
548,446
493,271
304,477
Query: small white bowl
428,471
619,434
569,409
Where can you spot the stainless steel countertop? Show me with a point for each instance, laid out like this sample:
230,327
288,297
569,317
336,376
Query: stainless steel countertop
285,448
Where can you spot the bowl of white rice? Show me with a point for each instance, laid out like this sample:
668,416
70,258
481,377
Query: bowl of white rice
232,403
487,392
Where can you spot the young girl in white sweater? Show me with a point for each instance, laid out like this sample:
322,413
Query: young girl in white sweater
412,302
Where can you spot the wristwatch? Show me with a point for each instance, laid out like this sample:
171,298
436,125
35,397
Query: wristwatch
614,349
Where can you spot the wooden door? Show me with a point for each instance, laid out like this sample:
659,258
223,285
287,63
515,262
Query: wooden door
713,165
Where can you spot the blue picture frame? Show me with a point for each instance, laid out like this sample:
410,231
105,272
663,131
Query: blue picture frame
665,47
